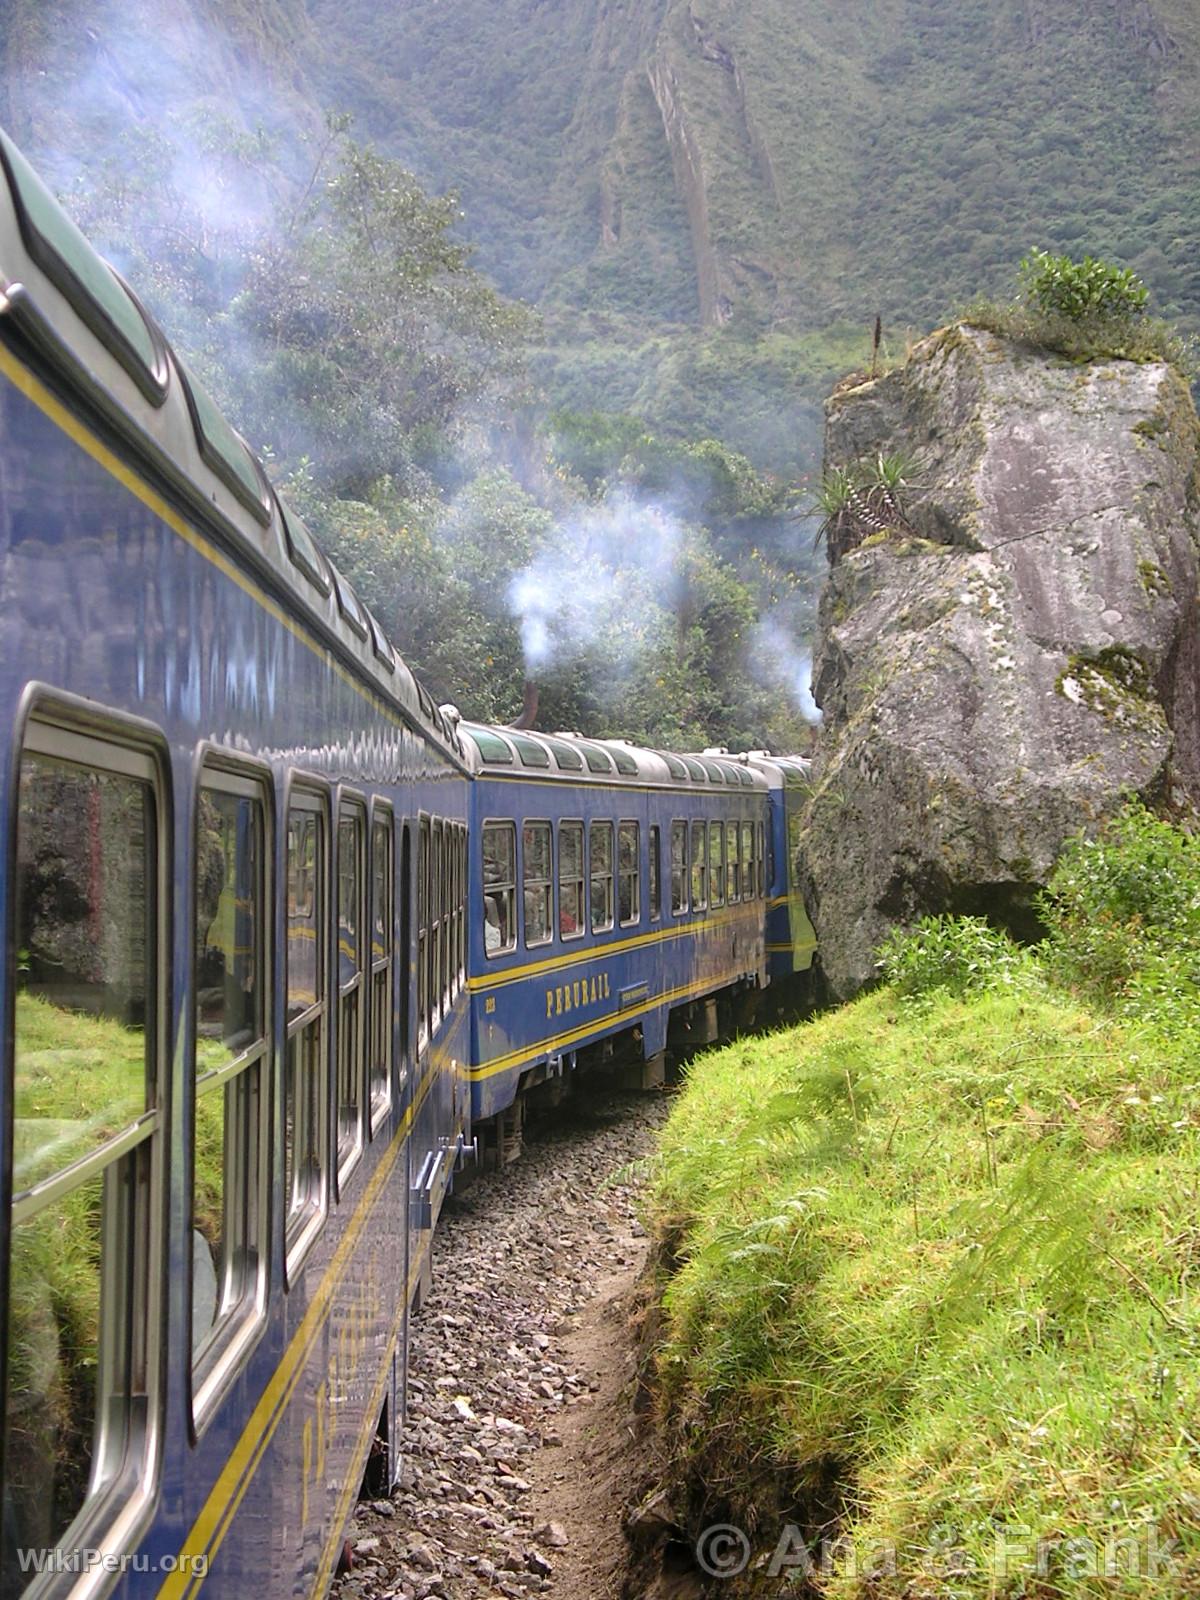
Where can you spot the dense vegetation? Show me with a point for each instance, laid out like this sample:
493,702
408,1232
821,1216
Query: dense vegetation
851,159
932,1278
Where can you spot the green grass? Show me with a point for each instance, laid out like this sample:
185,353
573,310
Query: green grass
933,1286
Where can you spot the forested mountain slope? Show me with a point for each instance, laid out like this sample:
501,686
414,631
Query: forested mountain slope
709,200
763,170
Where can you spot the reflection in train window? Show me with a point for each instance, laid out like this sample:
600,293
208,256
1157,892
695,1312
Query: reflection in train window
699,867
600,875
733,870
82,1360
747,861
382,926
536,877
716,863
570,880
231,1115
351,840
499,887
679,883
305,1076
655,874
628,873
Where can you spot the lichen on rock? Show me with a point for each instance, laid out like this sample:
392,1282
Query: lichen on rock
988,693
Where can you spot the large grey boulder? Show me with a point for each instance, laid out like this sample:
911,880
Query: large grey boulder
1009,673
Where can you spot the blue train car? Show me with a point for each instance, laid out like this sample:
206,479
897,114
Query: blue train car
613,891
233,1001
791,940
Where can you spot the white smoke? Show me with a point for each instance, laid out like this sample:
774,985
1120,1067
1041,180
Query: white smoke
606,576
780,659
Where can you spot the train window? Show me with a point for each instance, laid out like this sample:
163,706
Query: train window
303,550
536,875
600,854
570,880
306,1184
567,759
423,934
463,870
629,908
733,868
531,753
597,760
349,605
448,956
437,930
747,861
225,451
383,921
351,990
492,748
499,887
699,867
679,882
655,874
761,860
80,1386
716,863
84,278
231,1106
457,914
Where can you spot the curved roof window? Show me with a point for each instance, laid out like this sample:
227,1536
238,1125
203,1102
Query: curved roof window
625,762
491,746
568,759
304,551
597,760
674,765
382,645
351,609
715,771
531,753
84,278
695,768
225,451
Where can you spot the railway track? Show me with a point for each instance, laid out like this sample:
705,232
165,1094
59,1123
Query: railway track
518,1449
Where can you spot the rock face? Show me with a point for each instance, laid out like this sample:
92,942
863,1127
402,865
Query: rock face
1006,678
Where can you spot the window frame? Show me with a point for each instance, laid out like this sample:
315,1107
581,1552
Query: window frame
634,872
596,825
698,828
228,1343
381,1011
424,1009
544,885
351,807
64,728
303,1223
746,830
580,882
716,863
733,863
679,827
654,870
507,948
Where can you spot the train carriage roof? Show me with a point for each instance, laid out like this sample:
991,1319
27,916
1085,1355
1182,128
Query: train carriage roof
67,314
504,751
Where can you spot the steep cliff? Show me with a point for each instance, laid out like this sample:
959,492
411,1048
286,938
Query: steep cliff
1023,659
